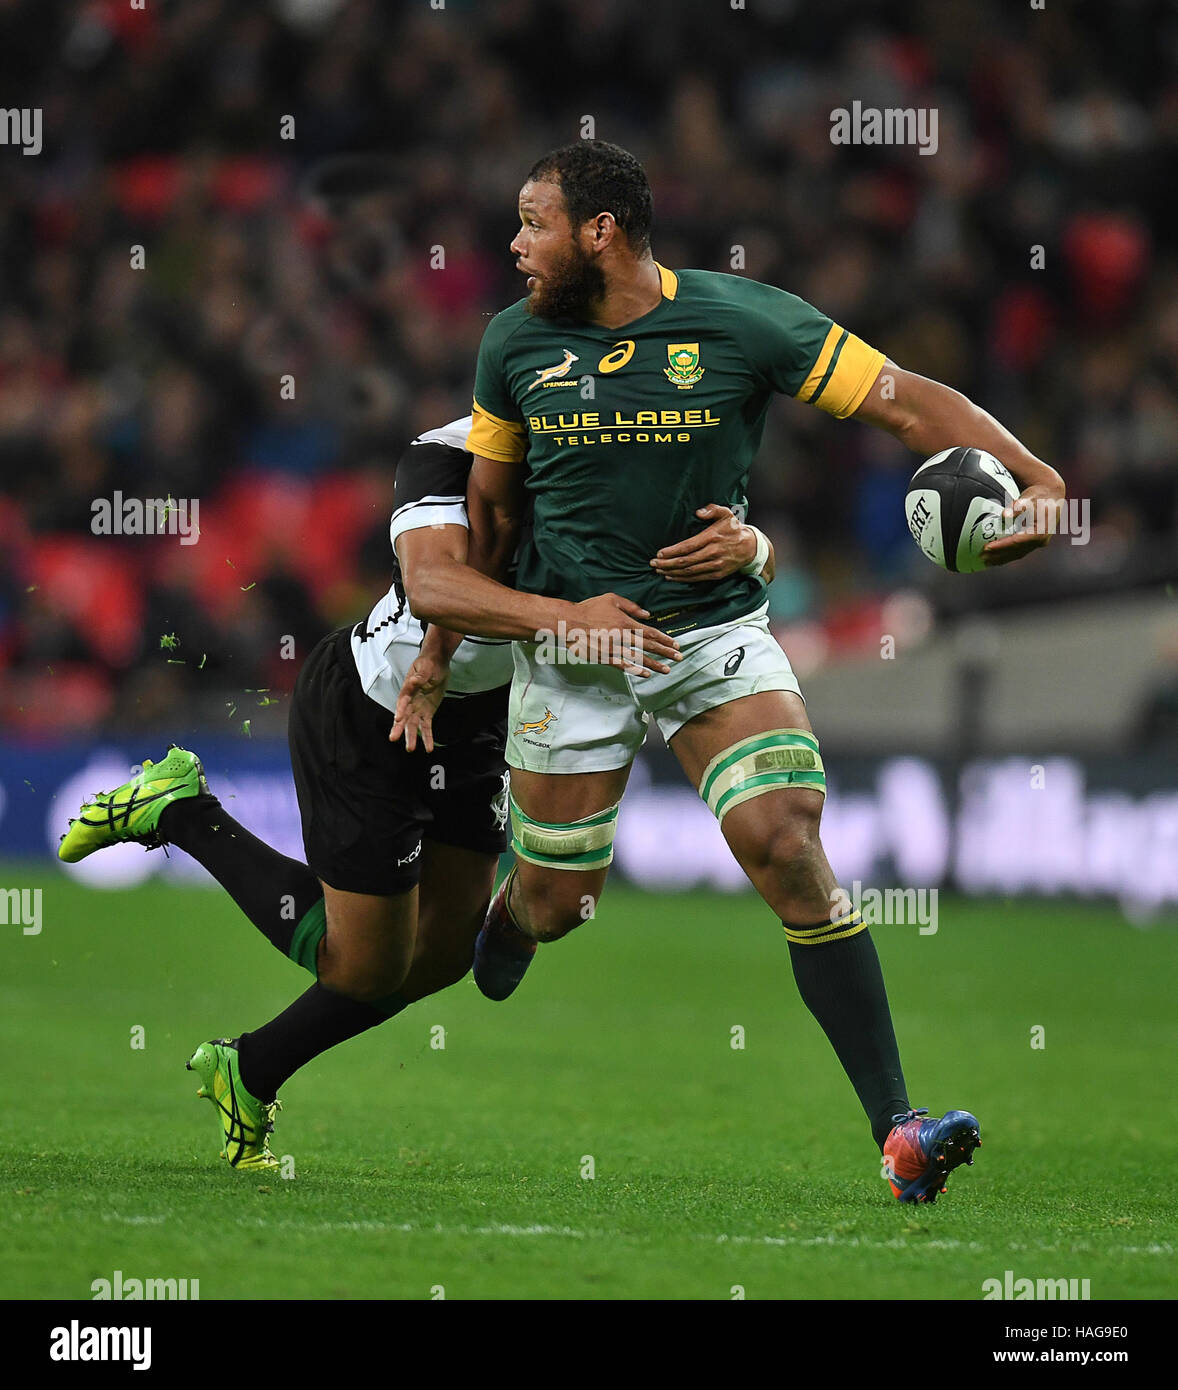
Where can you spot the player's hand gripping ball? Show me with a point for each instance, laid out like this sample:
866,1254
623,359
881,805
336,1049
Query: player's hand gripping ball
954,507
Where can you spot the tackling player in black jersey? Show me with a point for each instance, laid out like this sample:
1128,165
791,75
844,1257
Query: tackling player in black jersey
402,841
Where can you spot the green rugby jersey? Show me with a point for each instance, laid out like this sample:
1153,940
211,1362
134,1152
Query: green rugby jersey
627,431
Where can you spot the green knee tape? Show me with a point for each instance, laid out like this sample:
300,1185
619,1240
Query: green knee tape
304,944
762,763
582,844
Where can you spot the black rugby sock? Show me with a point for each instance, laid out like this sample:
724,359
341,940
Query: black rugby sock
274,892
316,1021
841,983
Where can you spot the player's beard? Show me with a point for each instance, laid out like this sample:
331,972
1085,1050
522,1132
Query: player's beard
570,290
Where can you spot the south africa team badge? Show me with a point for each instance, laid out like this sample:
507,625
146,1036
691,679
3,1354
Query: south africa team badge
684,370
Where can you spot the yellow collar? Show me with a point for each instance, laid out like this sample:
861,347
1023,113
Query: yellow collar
669,281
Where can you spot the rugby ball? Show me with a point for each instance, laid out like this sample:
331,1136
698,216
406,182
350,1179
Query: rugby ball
954,506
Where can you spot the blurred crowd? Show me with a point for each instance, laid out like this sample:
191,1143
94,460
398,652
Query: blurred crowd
205,294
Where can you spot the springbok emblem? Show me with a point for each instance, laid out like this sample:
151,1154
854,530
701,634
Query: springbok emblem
561,369
537,726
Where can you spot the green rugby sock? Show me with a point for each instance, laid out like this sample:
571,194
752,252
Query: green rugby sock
309,931
284,900
304,951
839,978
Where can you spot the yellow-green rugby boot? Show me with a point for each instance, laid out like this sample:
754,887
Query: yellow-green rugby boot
132,811
246,1123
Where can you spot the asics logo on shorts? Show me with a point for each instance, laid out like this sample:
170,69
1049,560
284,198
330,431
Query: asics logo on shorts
732,665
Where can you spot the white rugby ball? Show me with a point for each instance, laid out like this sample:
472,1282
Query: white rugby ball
954,506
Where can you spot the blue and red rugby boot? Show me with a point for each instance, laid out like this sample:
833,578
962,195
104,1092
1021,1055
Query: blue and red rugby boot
502,952
920,1154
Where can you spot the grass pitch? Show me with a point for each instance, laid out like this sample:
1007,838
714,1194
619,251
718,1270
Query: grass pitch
465,1167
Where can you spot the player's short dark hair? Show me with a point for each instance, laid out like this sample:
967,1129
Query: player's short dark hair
594,177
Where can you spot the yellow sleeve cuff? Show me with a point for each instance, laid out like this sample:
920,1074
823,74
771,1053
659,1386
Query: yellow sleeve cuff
492,438
842,373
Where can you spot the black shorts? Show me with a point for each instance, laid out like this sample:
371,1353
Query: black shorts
366,803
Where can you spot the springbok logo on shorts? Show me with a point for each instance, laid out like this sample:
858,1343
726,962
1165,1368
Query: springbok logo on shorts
544,374
538,726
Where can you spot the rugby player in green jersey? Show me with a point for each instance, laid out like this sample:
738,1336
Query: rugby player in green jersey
402,844
614,400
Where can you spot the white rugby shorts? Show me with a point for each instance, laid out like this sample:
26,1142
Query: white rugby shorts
567,717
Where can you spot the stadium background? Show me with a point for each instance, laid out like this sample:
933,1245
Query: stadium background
1018,744
1058,129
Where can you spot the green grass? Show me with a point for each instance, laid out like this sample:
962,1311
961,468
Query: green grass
715,1167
